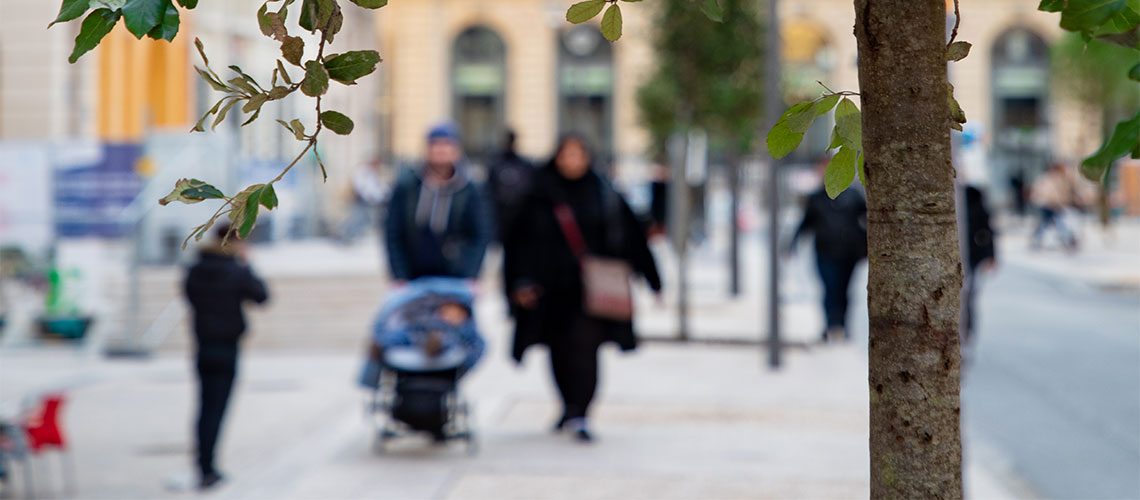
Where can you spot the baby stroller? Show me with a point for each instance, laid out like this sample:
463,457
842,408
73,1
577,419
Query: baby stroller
426,340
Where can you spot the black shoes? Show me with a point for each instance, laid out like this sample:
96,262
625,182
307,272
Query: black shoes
210,481
560,425
583,436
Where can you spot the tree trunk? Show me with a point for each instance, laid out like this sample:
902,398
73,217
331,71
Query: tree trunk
915,270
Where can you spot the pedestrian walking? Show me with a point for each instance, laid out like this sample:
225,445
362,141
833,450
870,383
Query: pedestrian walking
437,222
1054,193
508,182
217,286
581,244
839,227
368,196
974,223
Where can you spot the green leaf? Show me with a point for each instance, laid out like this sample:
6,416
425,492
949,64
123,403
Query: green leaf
91,32
316,81
255,103
244,85
141,16
1124,140
799,117
201,51
337,122
957,115
612,23
783,140
840,171
223,112
584,11
277,93
292,49
296,127
168,28
268,197
284,74
370,4
958,51
861,170
315,14
346,68
836,140
849,123
1051,5
1088,15
713,10
333,25
71,10
247,205
248,79
201,125
190,191
215,84
1134,73
1125,20
824,104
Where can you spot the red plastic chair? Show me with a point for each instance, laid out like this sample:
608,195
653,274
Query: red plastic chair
43,431
43,428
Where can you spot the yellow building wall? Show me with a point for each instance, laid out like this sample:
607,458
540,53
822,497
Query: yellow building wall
143,85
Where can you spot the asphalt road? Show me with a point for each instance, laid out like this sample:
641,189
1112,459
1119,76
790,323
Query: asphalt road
1054,384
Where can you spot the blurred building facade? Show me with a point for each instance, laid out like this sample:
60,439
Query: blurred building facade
493,64
107,136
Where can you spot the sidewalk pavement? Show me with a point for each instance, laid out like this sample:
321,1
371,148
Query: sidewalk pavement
673,421
1106,259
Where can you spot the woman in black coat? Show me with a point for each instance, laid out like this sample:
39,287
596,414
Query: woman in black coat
546,280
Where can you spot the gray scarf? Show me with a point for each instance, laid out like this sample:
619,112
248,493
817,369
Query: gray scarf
434,206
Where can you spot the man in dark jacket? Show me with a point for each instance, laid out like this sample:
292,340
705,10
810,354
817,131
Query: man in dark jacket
840,229
508,182
437,222
217,286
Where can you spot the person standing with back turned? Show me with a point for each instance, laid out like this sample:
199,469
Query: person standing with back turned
217,286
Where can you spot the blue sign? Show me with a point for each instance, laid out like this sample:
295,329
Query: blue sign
90,197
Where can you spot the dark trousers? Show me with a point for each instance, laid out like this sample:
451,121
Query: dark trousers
217,367
1052,217
574,362
835,273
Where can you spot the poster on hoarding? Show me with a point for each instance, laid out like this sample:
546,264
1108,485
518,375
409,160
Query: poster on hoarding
91,191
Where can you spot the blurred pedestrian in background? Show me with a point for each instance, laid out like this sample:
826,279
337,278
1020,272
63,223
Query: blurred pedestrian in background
572,214
217,286
508,183
437,222
974,224
840,230
368,196
1054,193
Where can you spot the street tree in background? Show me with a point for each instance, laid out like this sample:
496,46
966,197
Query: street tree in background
707,77
1090,73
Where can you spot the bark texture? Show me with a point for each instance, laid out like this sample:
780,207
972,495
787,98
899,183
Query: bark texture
915,271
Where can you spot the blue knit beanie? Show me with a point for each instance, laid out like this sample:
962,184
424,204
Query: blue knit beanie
444,131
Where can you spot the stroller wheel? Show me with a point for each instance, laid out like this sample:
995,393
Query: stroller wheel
380,444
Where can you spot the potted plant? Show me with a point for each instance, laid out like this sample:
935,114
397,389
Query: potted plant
62,318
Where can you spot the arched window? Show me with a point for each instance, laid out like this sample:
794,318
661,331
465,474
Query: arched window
586,87
478,82
1020,90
